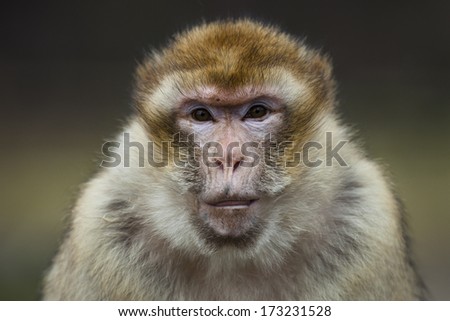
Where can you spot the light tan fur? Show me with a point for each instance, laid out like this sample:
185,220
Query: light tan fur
329,232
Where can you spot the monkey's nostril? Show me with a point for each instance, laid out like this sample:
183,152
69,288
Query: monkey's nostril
219,164
236,165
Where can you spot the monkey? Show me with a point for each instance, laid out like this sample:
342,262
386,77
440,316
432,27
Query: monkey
201,220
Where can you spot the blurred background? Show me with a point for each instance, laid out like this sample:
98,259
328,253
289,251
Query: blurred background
66,77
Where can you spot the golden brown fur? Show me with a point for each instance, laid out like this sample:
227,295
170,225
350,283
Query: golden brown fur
319,233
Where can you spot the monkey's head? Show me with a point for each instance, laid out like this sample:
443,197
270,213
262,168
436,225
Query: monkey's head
224,94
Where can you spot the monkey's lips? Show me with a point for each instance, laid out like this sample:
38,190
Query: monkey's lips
233,218
233,203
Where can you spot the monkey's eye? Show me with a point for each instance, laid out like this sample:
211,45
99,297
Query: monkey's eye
257,111
201,114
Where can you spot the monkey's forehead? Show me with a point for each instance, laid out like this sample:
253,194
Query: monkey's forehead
233,54
277,84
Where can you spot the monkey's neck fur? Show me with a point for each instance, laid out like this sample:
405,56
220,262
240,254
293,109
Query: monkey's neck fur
332,234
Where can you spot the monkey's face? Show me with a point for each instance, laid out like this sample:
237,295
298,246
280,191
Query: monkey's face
230,172
229,90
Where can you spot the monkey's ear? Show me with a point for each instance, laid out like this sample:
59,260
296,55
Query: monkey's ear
322,63
316,63
146,74
318,70
147,78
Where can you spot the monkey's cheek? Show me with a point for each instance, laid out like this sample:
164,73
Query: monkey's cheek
228,222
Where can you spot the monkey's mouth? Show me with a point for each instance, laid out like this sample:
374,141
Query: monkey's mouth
233,203
229,218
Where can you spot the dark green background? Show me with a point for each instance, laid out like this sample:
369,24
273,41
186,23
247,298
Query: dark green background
66,76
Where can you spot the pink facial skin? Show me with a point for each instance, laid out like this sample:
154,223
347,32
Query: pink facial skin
229,202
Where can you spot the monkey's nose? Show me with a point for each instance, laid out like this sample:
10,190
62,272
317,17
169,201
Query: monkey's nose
225,164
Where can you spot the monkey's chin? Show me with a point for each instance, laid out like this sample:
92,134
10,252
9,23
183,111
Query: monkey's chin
230,222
